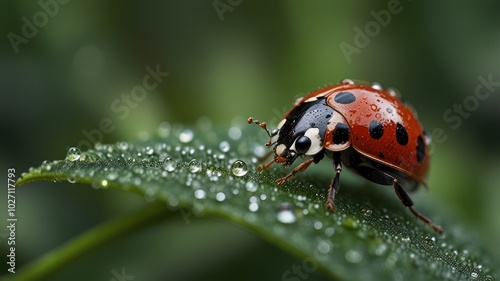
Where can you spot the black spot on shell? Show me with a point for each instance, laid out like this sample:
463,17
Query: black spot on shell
381,155
345,97
376,129
420,149
401,135
341,133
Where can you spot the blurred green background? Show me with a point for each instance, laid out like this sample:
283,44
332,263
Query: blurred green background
228,60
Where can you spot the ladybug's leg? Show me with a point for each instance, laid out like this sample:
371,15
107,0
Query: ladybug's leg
335,185
406,200
264,167
300,168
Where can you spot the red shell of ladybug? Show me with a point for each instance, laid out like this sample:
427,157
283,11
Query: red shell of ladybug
366,128
382,128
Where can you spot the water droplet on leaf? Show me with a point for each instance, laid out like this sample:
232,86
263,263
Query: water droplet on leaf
220,197
253,207
46,165
104,183
186,136
73,154
224,146
318,225
239,168
200,194
169,164
194,166
325,246
149,150
251,186
286,213
112,176
367,211
122,145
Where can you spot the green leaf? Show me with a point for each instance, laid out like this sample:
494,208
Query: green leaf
371,236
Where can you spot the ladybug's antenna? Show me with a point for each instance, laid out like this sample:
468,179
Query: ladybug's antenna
262,125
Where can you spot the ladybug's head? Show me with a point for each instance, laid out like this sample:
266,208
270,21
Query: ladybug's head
292,140
289,146
300,133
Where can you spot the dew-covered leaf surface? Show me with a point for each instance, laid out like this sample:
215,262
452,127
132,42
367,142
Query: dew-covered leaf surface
371,236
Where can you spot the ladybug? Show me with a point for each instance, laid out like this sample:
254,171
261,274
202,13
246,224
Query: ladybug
366,128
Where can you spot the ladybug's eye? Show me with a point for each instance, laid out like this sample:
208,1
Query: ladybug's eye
310,143
302,144
274,132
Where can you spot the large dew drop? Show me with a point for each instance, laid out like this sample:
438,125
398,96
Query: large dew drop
73,154
169,164
194,166
239,168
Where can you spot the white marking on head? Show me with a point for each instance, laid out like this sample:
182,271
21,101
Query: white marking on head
280,149
316,142
274,138
281,123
